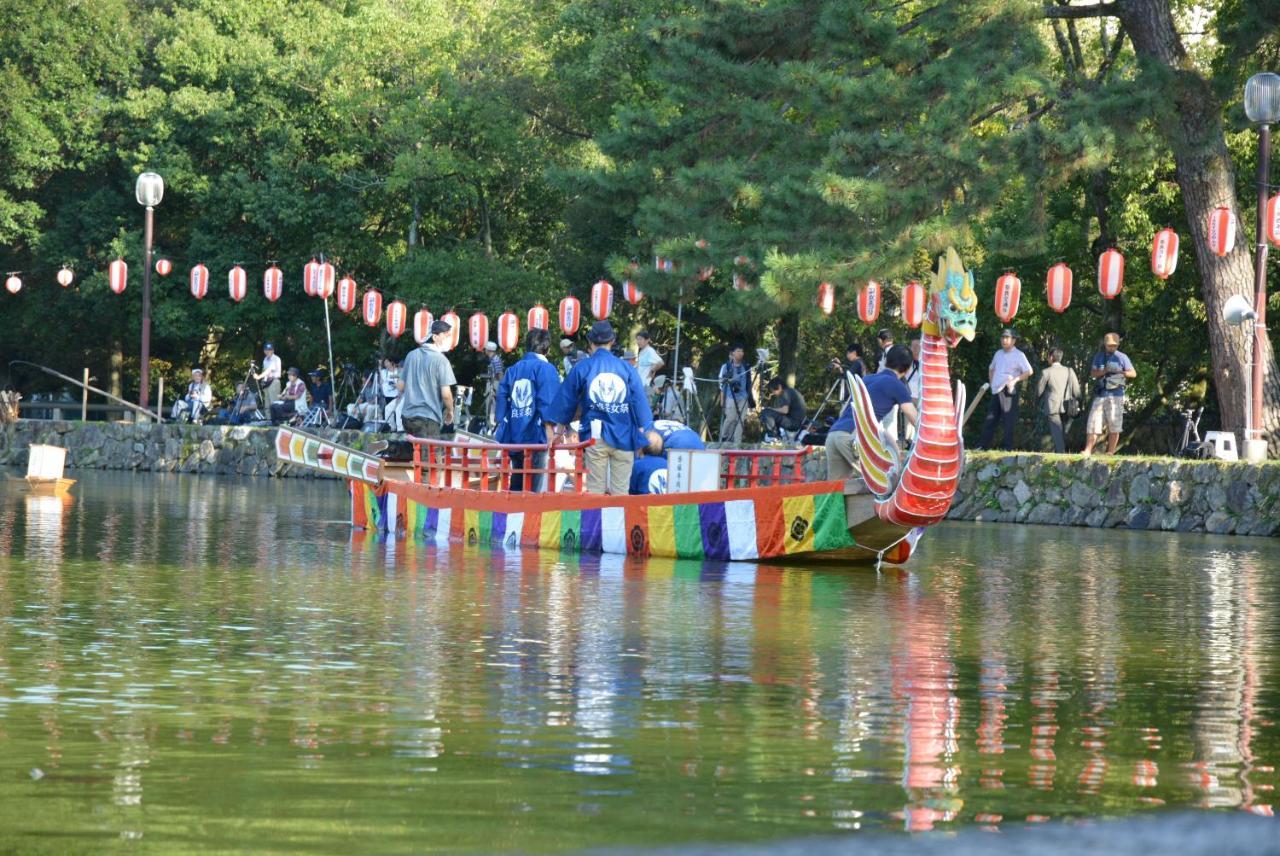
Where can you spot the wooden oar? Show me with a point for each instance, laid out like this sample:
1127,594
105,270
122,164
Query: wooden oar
973,405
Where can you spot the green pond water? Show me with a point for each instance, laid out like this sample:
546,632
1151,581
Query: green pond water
199,664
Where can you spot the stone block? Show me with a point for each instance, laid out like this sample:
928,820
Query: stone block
1022,492
1219,523
1008,502
1238,498
1045,512
1140,489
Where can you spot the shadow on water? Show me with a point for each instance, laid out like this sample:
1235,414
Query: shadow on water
202,664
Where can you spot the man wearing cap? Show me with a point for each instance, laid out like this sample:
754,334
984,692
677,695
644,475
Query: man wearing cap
1009,367
571,356
614,411
526,395
428,378
1111,370
272,370
193,406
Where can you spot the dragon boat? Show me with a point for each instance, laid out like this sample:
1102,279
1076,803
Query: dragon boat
727,504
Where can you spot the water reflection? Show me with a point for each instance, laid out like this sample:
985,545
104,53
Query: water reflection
161,638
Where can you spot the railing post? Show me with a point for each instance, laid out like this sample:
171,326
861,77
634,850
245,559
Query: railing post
84,397
160,400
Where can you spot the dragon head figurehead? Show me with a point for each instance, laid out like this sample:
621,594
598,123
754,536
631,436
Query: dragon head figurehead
953,313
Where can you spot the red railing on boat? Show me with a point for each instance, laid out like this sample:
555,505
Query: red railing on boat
492,466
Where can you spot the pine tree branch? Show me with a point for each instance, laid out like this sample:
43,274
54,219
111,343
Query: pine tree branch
1094,10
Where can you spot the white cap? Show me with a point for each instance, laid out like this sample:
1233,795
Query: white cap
491,346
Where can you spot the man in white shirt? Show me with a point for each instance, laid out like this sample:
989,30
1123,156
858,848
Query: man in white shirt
647,360
1009,367
195,403
270,374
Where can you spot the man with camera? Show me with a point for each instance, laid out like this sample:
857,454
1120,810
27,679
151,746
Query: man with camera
736,399
195,404
428,379
1111,370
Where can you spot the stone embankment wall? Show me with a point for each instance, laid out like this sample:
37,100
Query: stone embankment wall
1133,493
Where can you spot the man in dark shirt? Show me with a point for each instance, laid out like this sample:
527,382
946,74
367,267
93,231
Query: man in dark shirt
887,391
851,364
787,410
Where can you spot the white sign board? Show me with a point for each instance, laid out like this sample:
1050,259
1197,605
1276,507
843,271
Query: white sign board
691,470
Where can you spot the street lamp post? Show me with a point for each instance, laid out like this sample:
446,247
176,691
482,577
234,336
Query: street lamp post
149,191
1262,106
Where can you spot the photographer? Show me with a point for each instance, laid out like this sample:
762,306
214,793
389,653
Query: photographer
1111,371
736,399
852,364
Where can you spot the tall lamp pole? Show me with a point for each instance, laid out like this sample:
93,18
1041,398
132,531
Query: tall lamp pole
1262,106
149,191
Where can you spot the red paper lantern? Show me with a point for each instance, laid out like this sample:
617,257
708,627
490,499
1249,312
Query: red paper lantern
706,273
659,264
869,302
1222,231
371,307
236,283
741,283
1008,295
65,277
1110,273
478,330
1271,220
422,325
913,300
1164,253
601,299
570,315
631,293
325,287
455,330
272,283
538,318
508,331
199,282
397,314
1057,287
13,284
164,267
826,297
347,291
118,275
310,277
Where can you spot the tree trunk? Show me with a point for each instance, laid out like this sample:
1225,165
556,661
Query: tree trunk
115,376
413,226
1206,177
788,335
485,229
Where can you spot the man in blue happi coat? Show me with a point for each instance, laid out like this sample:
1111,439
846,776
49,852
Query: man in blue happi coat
674,435
524,401
606,394
649,475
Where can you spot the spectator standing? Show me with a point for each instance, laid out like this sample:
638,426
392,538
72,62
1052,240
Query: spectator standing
1059,394
270,375
736,399
428,386
195,403
526,395
885,338
786,410
1111,371
647,360
571,356
1008,368
915,383
852,364
889,395
614,411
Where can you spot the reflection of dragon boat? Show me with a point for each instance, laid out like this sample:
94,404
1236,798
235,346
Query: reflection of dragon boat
745,505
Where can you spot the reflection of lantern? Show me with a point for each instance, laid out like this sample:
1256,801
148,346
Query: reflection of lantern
478,330
706,273
236,283
13,285
570,315
1222,231
65,277
347,291
659,264
164,267
601,299
741,283
508,331
422,325
1164,253
741,261
1271,220
199,282
310,277
631,293
1057,287
272,283
701,243
1008,295
826,297
396,315
869,302
1110,273
538,318
913,297
371,307
324,288
118,275
455,330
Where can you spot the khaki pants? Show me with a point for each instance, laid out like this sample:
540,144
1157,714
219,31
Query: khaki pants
842,456
609,469
271,392
735,415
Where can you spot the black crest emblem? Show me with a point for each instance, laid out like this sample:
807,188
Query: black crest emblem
472,537
637,539
570,541
714,533
799,526
513,539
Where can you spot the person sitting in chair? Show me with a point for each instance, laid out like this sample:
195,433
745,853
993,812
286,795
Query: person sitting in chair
320,390
243,407
193,406
292,403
